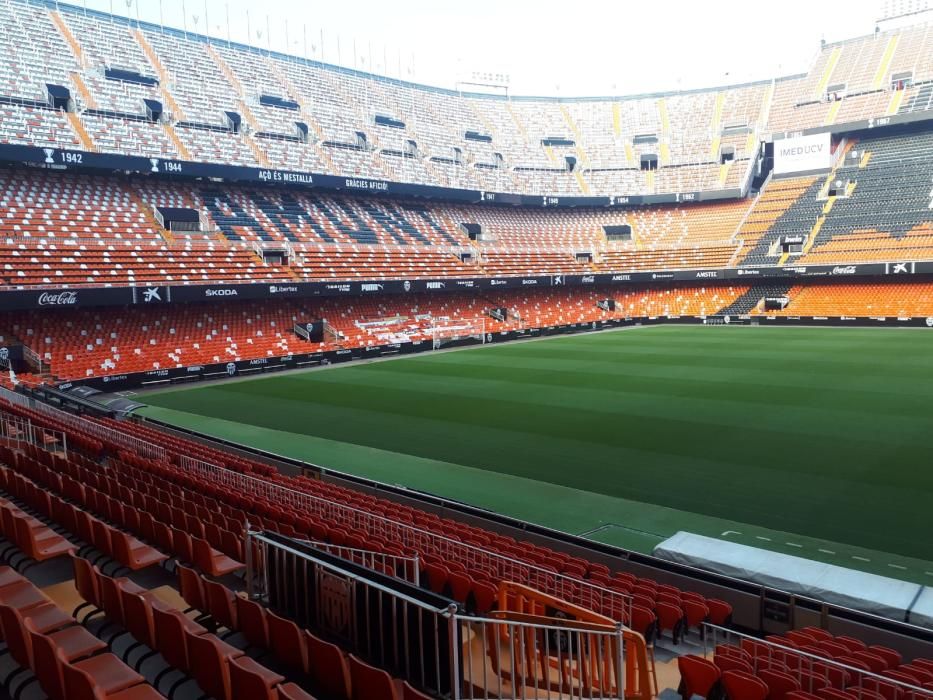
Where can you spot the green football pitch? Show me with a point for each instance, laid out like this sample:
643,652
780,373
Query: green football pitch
812,442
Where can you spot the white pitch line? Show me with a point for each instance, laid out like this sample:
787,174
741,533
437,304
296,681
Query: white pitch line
898,566
759,537
794,544
855,556
826,551
928,573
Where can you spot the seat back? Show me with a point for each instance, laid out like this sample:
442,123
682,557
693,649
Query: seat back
246,684
137,613
697,675
170,638
369,682
46,664
252,622
328,667
80,684
409,693
743,686
208,666
779,684
191,588
11,624
288,644
220,603
86,581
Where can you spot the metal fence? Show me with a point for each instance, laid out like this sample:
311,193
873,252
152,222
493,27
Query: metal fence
812,670
19,429
405,568
88,427
613,604
424,639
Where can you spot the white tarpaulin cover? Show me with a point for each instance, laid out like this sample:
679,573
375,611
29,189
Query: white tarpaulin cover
922,612
869,593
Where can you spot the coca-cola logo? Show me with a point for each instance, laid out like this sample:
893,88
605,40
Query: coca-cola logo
844,270
58,299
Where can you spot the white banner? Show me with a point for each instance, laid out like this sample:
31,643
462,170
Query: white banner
803,154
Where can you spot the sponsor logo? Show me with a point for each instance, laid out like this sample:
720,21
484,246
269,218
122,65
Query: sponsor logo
65,386
154,162
231,369
847,318
220,292
929,321
151,294
621,278
406,285
557,281
661,276
259,361
194,369
339,287
465,283
529,282
797,270
283,289
115,378
497,283
901,268
157,373
49,152
59,299
844,270
429,285
370,287
816,148
708,274
489,337
726,319
343,352
587,279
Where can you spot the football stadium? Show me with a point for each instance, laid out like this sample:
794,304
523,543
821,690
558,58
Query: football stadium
323,380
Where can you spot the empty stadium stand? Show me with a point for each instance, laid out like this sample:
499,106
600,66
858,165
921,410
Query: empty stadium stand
231,104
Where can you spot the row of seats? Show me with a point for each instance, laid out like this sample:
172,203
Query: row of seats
804,664
592,585
199,81
80,343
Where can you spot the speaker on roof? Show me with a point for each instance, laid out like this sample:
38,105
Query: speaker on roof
59,97
153,110
234,121
301,129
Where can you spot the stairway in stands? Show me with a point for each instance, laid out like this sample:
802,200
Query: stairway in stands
752,298
797,219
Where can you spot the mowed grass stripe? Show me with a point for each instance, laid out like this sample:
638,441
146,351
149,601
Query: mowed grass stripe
601,420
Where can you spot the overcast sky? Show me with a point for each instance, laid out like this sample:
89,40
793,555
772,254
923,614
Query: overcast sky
567,48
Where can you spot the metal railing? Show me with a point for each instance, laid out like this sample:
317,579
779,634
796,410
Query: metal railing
812,670
613,604
405,568
20,429
89,427
434,646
